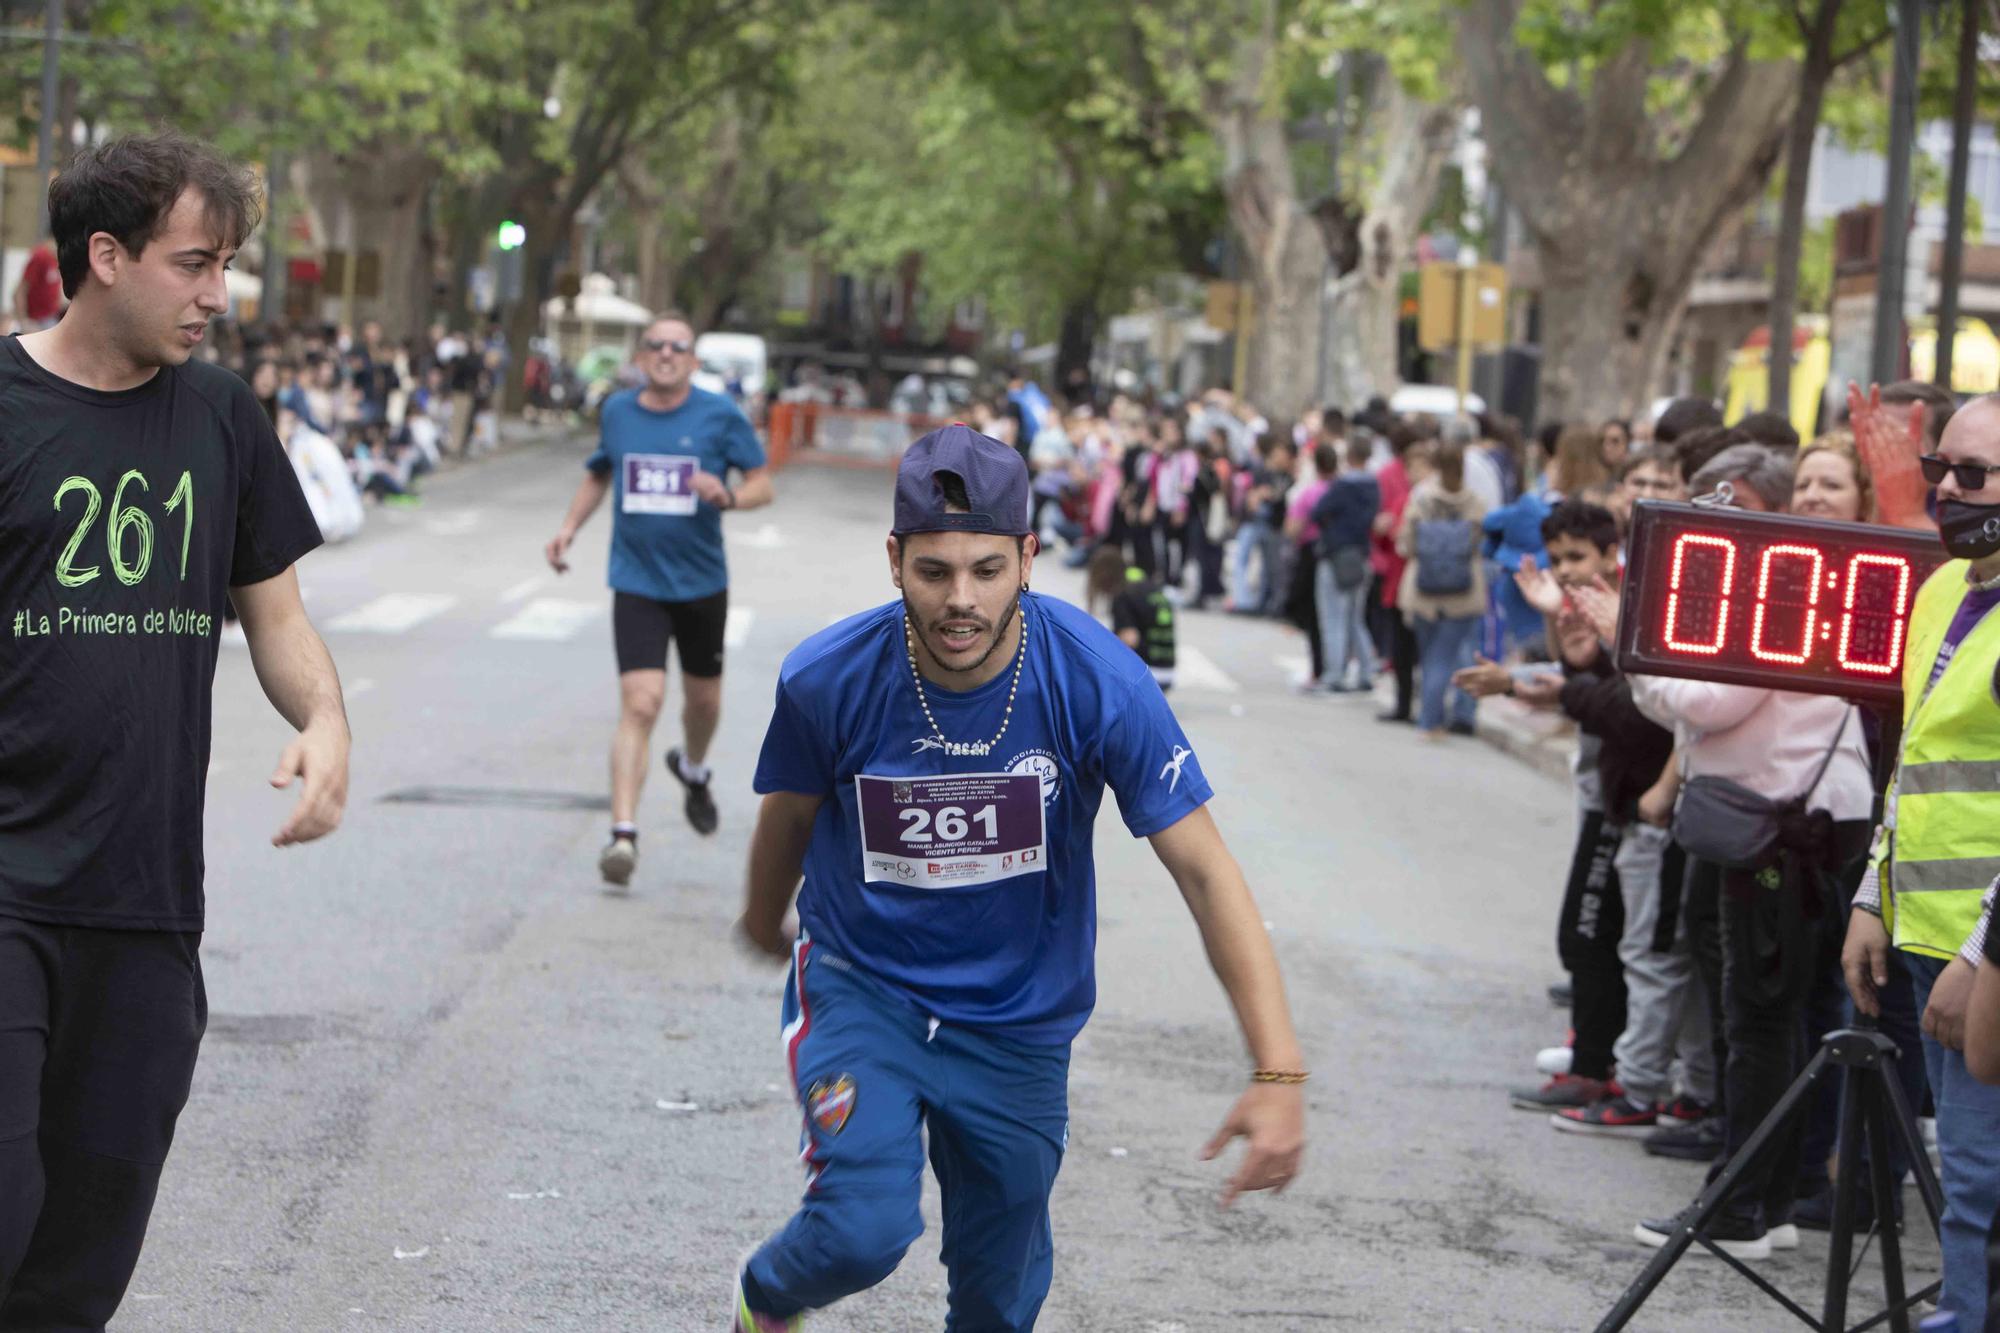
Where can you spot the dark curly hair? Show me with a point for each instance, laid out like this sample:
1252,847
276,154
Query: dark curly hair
128,186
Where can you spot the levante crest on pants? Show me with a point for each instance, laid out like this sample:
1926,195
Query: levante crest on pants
830,1101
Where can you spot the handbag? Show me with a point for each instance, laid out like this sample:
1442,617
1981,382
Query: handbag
1724,823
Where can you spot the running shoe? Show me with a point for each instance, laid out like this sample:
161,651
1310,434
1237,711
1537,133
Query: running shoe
1699,1142
1737,1237
615,862
700,805
1684,1110
1564,1090
1613,1117
749,1321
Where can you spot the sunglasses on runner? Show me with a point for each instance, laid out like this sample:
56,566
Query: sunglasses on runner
1971,476
674,345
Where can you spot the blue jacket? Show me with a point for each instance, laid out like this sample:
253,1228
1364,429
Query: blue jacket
1345,514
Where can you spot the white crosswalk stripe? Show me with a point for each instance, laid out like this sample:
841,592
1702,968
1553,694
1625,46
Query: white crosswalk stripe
736,630
1196,670
525,588
392,613
547,618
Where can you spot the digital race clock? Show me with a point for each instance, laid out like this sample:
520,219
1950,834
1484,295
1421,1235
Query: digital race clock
1772,600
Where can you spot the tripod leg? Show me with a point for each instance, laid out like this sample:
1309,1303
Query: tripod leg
1840,1240
1697,1215
1877,1114
1928,1188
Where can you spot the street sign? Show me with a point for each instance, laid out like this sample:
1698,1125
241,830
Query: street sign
1440,298
1220,309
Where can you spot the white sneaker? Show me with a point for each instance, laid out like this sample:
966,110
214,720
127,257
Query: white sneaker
1554,1060
1784,1237
616,861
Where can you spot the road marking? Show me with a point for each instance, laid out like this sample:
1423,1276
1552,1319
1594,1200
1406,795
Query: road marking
457,523
1195,670
522,589
547,618
737,628
393,613
357,688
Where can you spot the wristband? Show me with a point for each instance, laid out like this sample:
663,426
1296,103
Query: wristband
1873,909
1287,1076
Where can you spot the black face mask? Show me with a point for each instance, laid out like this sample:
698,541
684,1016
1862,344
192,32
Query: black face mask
1970,532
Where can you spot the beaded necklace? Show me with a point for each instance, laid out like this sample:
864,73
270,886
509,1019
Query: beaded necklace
966,747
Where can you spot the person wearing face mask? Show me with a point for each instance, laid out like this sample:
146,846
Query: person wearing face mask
1938,849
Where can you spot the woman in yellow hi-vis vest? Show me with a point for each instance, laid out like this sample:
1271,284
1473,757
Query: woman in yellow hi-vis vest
1939,846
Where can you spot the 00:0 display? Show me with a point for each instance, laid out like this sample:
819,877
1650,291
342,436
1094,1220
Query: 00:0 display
1800,607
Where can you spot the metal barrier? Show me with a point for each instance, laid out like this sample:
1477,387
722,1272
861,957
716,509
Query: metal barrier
853,436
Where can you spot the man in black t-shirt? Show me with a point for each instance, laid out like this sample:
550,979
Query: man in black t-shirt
139,489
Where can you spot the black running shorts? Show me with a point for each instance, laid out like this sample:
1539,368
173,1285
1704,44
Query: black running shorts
643,627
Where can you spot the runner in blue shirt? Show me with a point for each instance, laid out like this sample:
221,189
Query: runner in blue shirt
934,768
666,449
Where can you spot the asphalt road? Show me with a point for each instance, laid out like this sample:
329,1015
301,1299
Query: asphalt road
449,1084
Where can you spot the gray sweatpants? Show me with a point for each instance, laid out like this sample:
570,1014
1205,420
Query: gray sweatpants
1665,1012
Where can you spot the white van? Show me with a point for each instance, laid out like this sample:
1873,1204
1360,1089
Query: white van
725,357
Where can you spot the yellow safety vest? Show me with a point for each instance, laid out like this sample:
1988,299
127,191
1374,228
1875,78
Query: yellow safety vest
1940,842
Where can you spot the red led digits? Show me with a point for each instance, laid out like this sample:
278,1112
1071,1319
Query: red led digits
1721,593
1891,571
1758,648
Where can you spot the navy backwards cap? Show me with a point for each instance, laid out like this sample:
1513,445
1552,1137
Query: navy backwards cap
996,484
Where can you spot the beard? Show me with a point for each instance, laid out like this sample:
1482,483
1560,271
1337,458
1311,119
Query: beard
999,637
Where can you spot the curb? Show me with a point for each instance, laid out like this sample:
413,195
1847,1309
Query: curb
1543,739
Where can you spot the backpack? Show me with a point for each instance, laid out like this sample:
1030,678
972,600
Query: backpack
1444,555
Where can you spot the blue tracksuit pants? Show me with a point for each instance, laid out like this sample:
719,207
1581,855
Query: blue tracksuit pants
873,1075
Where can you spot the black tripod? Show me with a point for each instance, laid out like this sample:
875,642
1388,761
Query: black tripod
1872,1101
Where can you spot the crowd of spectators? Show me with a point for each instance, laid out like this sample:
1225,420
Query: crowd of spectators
1461,559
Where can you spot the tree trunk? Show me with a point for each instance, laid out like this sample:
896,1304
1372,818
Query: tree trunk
1620,223
1075,343
1363,304
1813,79
546,228
1286,259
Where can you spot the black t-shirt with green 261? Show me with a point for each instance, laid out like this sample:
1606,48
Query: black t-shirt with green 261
124,519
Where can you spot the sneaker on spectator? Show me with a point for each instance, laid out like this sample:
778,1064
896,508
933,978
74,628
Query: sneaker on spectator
1553,1060
1816,1213
1564,1090
1699,1142
1683,1110
1738,1237
1613,1117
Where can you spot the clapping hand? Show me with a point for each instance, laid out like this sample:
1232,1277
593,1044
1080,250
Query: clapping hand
1889,443
1538,587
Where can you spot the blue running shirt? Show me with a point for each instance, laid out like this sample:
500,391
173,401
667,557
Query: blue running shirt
664,545
1014,955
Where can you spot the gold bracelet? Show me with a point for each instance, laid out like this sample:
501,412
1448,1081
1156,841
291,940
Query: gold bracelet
1279,1076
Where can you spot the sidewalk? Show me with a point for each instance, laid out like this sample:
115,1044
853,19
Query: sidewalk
1541,738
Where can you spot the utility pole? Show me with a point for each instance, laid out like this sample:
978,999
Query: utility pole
1887,359
1964,105
45,135
277,177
